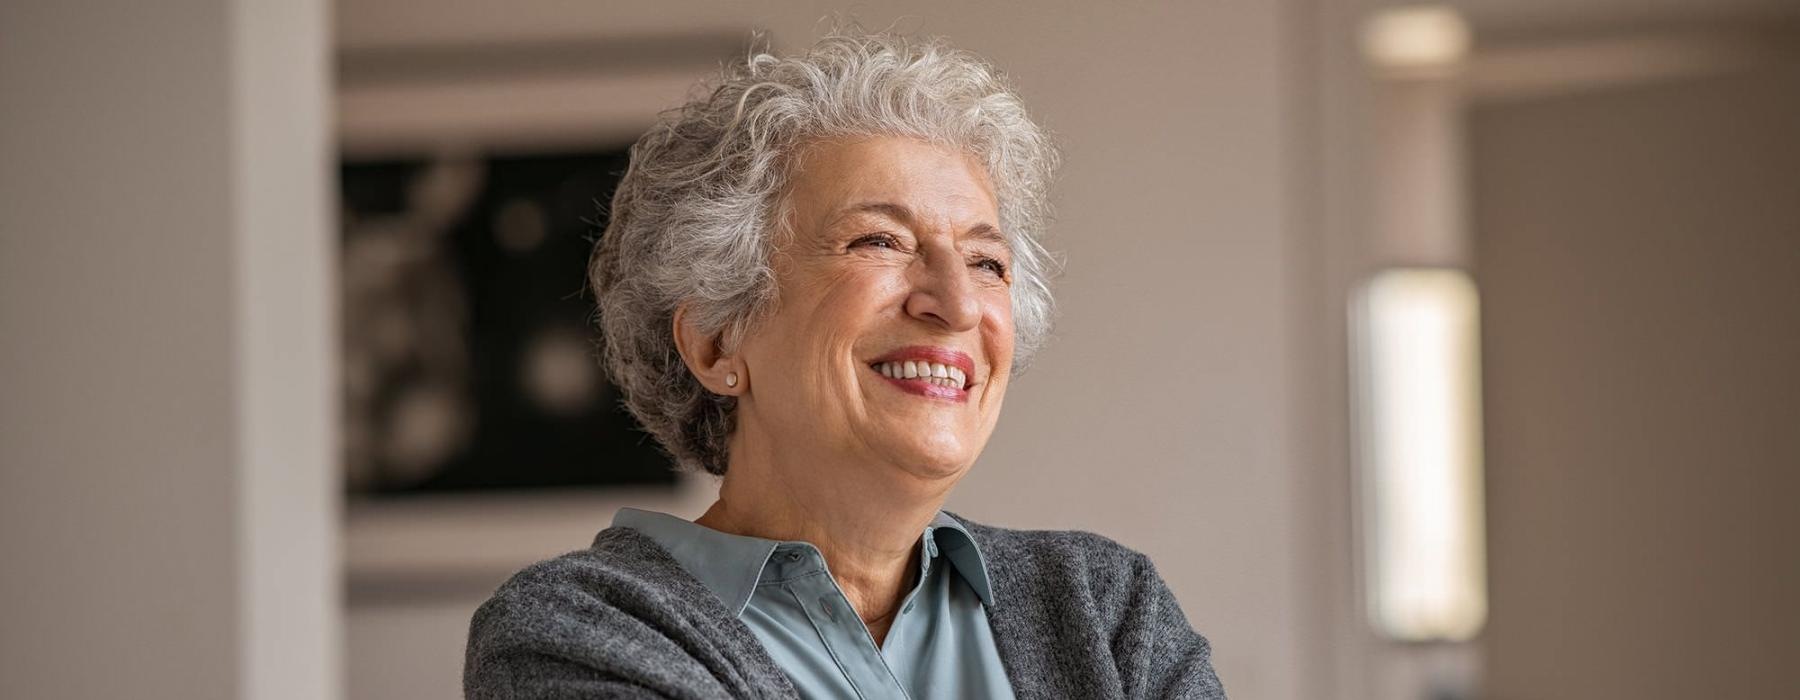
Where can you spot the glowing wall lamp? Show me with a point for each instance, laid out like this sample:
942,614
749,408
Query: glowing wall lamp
1420,39
1418,395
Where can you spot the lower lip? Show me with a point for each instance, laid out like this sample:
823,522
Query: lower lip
926,389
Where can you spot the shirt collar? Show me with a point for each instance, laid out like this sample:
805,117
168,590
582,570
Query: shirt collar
731,565
957,545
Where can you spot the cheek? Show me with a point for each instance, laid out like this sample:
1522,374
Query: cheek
830,321
999,329
856,300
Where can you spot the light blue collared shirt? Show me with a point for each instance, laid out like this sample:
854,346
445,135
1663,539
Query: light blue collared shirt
939,645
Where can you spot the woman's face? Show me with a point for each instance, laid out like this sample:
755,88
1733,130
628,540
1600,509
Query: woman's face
893,255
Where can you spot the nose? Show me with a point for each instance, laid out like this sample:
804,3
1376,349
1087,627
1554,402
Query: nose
942,291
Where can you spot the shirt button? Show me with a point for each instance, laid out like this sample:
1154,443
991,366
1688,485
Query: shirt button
793,556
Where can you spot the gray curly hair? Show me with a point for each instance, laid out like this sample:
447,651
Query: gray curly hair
698,211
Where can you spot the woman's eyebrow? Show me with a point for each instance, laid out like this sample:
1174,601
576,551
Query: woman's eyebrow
897,212
987,232
900,213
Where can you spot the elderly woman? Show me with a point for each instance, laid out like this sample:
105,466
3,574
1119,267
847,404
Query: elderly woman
817,283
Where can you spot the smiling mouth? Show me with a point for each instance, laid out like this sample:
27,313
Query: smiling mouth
924,373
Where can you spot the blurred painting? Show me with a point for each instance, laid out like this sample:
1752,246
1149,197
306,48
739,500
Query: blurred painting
470,352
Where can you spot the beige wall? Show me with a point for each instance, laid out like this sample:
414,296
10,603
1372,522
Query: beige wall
1165,413
1639,251
167,485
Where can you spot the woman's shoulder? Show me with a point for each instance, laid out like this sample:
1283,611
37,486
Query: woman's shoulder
1073,594
1041,549
621,610
622,572
611,577
1071,571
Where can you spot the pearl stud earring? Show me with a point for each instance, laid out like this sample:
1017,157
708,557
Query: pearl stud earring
731,379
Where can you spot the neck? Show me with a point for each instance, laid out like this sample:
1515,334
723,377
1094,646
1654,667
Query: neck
868,532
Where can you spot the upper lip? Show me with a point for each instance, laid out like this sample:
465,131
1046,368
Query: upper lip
930,353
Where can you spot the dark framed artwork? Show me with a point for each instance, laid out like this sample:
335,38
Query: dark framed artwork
470,353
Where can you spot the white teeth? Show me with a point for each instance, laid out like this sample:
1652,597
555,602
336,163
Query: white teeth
939,374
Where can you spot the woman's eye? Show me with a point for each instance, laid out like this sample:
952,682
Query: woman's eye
879,239
999,268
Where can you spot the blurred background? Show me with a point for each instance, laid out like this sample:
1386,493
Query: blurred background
1430,351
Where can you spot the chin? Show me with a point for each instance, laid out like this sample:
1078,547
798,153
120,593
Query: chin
935,463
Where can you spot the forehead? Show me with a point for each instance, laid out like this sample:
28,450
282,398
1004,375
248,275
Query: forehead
839,180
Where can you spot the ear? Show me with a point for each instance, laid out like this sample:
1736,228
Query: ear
700,352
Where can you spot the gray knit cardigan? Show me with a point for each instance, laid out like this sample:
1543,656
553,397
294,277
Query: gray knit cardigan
1075,615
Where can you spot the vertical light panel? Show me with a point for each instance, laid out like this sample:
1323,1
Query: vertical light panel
1419,425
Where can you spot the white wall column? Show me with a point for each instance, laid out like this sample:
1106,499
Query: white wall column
168,501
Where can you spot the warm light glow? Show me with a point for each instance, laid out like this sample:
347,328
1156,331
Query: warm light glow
1419,403
1415,37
